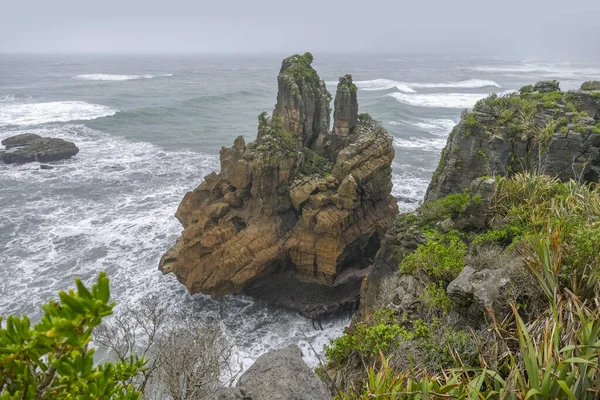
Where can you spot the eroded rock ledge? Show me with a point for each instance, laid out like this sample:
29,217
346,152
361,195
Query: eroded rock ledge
295,216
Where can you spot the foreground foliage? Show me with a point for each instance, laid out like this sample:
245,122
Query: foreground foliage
53,359
547,346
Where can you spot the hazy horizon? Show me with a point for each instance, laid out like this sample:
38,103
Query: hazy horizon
469,27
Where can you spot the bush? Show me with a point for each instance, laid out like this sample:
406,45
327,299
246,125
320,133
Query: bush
441,209
54,360
441,257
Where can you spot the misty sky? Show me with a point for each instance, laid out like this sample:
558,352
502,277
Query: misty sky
536,27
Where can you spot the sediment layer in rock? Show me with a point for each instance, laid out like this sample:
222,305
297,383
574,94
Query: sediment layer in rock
288,211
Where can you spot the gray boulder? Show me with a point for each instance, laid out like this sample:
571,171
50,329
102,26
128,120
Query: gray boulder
477,291
228,394
30,147
282,375
590,85
546,86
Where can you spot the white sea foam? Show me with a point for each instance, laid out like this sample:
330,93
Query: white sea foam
383,84
409,188
55,111
560,70
420,143
468,84
438,127
112,208
409,87
7,98
113,77
443,100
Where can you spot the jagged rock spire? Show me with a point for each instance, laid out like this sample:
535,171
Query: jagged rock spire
345,110
303,102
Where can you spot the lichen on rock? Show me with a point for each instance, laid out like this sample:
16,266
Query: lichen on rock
284,220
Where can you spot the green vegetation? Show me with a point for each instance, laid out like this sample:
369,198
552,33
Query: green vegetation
441,257
274,140
548,231
300,71
366,120
53,360
315,164
346,80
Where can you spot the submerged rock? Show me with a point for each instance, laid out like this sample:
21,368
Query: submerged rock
29,147
280,221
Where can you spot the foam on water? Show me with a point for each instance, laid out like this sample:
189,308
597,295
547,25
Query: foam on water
409,87
438,127
420,143
467,84
383,84
410,185
443,100
54,111
560,70
113,77
112,208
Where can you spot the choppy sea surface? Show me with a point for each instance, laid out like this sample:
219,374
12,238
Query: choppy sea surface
149,128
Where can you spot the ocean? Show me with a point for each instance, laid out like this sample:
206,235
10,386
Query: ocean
150,127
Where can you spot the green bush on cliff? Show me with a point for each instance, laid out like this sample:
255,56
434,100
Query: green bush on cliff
315,164
441,209
441,257
376,334
53,359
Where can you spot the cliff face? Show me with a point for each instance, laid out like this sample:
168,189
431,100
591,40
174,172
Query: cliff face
281,222
540,129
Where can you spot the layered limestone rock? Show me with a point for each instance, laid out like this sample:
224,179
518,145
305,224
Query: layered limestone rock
345,116
540,129
279,221
303,102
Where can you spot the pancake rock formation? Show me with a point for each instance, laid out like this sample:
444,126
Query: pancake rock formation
296,216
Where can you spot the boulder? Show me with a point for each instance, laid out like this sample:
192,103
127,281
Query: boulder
228,394
546,86
280,222
30,147
282,375
479,291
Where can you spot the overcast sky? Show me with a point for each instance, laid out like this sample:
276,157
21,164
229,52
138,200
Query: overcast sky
536,27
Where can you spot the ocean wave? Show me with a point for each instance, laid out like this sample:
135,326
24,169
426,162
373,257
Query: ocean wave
112,77
438,127
112,208
467,84
419,143
409,87
408,188
54,111
7,98
561,70
384,84
443,100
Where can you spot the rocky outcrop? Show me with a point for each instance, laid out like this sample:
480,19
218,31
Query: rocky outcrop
303,102
540,129
345,116
279,221
282,375
480,292
29,147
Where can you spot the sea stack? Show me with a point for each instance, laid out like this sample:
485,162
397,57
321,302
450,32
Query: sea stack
296,216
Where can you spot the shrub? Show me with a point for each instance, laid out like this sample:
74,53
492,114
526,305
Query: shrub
441,209
53,359
441,257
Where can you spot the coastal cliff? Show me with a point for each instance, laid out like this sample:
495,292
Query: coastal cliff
295,216
540,129
472,281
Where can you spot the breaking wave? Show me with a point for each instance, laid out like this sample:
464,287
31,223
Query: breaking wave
54,111
111,77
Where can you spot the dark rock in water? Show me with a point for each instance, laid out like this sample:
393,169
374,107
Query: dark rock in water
29,147
19,140
590,85
282,375
44,166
